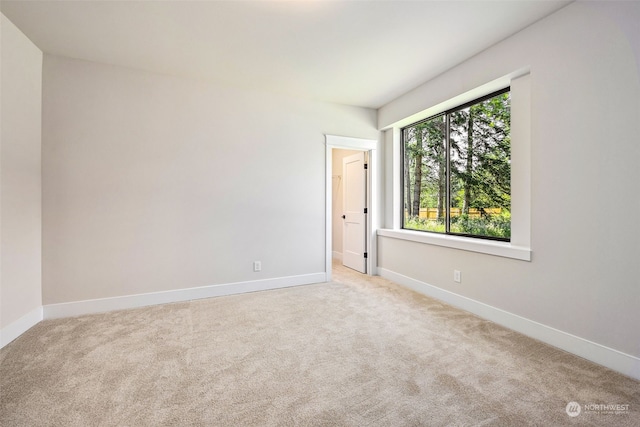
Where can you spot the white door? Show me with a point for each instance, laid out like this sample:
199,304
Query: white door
354,231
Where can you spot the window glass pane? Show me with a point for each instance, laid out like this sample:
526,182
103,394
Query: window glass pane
479,187
425,175
481,169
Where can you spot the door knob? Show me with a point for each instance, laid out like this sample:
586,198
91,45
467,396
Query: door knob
344,217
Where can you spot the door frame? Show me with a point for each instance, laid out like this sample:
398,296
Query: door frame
371,146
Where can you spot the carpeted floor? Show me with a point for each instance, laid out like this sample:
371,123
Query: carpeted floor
355,352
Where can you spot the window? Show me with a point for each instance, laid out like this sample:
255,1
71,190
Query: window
457,170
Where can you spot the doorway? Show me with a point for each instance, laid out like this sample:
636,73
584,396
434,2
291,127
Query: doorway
337,149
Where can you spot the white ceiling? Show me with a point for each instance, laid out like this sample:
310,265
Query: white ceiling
362,53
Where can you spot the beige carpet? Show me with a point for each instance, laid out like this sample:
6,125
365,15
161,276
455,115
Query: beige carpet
356,352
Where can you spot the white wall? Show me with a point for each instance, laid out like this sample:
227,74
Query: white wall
584,275
337,199
20,192
154,183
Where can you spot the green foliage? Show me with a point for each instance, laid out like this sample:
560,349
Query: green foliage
423,224
480,168
493,226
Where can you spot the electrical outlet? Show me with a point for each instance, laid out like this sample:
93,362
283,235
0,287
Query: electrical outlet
257,266
457,276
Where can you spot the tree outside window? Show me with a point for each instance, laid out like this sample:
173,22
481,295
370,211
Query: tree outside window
457,170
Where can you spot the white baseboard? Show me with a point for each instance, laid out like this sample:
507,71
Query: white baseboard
337,255
78,308
20,326
613,359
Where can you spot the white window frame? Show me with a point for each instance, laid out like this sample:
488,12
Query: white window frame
520,245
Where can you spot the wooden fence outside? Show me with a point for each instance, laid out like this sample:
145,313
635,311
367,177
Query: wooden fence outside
432,213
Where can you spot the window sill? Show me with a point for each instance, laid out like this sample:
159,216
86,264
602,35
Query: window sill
489,247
